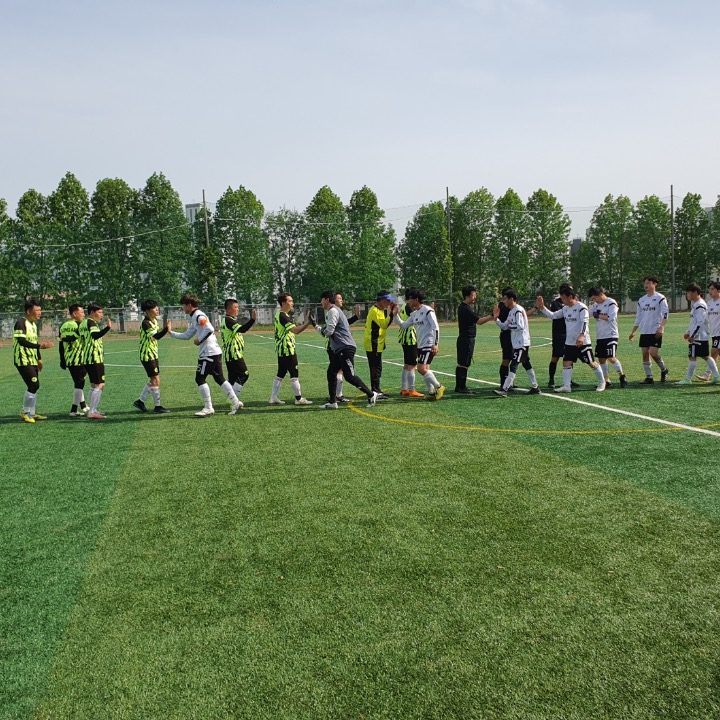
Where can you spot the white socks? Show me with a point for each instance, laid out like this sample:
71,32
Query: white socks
227,388
155,392
29,400
78,397
647,367
295,385
277,382
431,381
145,392
95,395
567,376
204,391
692,364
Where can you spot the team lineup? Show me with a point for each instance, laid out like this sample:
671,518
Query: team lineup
81,348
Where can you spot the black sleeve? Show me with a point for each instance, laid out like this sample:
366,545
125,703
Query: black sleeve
353,319
104,331
247,325
24,342
161,334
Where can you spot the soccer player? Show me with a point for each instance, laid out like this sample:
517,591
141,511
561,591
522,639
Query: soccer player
697,336
650,319
605,311
209,357
285,332
407,337
558,338
428,339
468,321
379,317
517,324
713,305
233,344
150,333
91,337
27,358
342,351
339,301
71,358
578,345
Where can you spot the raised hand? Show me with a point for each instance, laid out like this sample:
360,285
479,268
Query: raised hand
253,314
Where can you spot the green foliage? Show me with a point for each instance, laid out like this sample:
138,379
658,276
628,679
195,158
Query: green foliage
285,230
510,254
650,246
692,243
32,259
206,265
424,252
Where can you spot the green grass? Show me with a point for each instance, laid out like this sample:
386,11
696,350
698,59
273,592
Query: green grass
416,560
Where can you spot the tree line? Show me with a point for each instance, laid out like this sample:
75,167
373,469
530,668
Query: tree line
120,244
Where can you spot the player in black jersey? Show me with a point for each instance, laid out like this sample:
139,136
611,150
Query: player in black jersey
468,320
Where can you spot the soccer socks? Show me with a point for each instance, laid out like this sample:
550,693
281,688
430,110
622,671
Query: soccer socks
692,364
29,400
712,366
78,399
277,382
405,382
503,374
227,388
95,395
155,392
605,371
567,376
509,380
295,385
661,364
618,367
532,377
204,391
237,387
647,367
460,377
551,371
431,381
339,386
599,374
145,392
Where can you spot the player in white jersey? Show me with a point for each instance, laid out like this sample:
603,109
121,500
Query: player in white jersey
698,336
517,324
713,304
209,358
428,339
650,319
578,345
605,311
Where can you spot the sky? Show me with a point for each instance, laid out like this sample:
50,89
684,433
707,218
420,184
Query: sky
409,97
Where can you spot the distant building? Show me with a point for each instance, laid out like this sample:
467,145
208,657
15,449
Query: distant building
192,210
575,245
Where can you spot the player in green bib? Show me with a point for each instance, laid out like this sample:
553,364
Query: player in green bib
150,333
71,358
94,355
233,344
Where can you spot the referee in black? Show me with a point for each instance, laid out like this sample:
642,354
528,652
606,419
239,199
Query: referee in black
468,319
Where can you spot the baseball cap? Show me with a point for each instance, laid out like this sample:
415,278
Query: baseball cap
385,295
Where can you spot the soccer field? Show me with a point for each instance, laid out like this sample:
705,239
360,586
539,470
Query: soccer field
536,557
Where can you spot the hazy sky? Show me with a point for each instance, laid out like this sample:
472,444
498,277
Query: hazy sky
581,98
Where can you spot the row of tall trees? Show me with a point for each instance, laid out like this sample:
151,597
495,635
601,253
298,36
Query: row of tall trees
120,244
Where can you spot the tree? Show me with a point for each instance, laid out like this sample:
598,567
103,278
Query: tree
243,243
34,258
584,267
472,238
609,236
510,252
8,267
205,266
327,247
285,231
715,238
162,244
69,208
650,245
692,246
424,252
372,260
548,232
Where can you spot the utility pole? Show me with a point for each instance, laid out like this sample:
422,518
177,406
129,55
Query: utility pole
447,218
212,282
672,245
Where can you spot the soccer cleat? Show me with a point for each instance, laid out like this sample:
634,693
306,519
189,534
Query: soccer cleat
76,413
535,390
27,418
140,405
330,406
705,377
663,375
404,393
563,389
573,384
684,381
608,385
237,406
413,393
462,391
275,401
383,396
440,392
343,399
205,412
84,410
372,399
623,381
96,416
501,392
551,385
648,381
160,409
303,401
37,417
601,387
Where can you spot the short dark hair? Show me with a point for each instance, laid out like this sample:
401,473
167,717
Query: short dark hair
564,286
229,302
510,293
468,289
31,303
328,295
597,290
568,291
416,294
146,305
189,299
74,307
715,284
651,278
504,290
93,307
282,297
408,291
693,287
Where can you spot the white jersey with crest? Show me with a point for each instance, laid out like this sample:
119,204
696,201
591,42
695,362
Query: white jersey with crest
428,330
577,320
698,328
652,311
209,346
517,324
606,329
714,317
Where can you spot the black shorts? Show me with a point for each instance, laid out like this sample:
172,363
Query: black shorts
584,354
96,373
465,348
606,348
209,366
558,346
698,349
410,354
506,345
237,371
29,374
716,342
287,365
521,356
152,367
425,356
651,340
78,373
